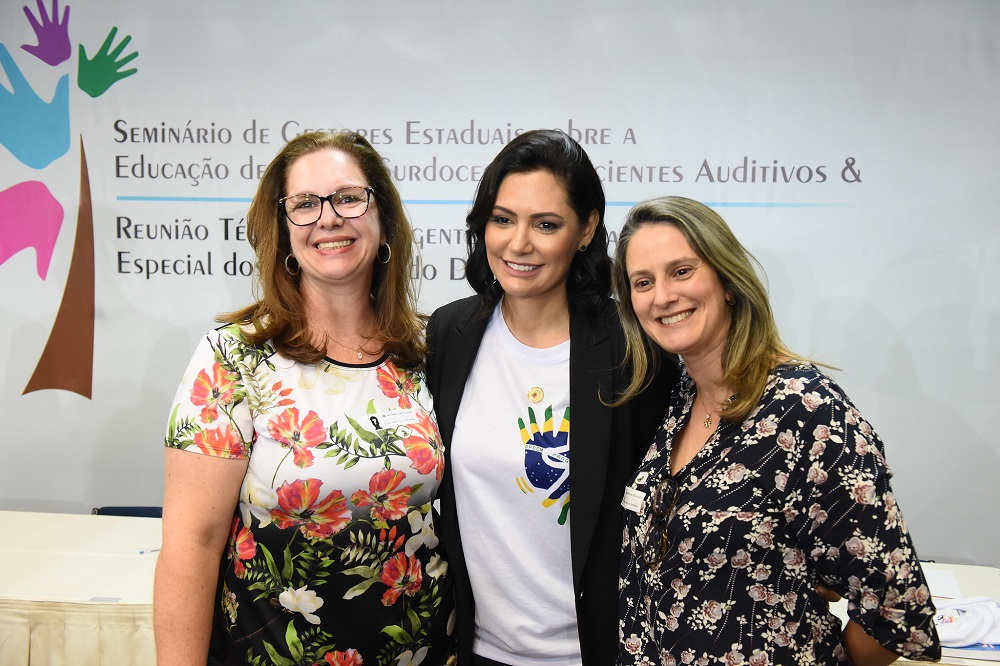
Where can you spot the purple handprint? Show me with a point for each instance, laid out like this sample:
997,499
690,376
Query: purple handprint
34,131
51,33
29,217
95,76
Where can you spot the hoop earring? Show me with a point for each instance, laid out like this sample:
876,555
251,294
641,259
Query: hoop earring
378,253
288,268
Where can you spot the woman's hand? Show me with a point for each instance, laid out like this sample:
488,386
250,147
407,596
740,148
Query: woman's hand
863,650
828,595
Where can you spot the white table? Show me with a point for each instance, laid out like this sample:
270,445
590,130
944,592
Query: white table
972,581
75,590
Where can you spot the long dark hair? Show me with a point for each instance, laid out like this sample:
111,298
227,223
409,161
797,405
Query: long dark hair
589,282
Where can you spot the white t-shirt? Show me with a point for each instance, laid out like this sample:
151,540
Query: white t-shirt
510,461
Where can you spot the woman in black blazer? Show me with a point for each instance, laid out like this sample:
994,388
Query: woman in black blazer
538,347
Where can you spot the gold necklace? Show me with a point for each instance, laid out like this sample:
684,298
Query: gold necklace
707,422
359,350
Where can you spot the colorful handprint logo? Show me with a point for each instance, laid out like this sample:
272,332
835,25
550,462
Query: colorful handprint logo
546,459
37,133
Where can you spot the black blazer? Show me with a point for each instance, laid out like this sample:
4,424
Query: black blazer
607,445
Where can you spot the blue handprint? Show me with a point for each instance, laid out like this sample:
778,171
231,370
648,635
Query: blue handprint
51,33
34,131
546,457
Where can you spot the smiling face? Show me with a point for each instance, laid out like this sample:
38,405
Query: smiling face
333,251
677,296
533,235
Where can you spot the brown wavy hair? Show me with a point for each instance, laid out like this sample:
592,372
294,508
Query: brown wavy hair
279,315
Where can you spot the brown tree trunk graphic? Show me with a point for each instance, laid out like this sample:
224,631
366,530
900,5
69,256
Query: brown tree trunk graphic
67,362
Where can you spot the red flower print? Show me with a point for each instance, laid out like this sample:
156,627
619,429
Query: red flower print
300,436
222,442
209,393
386,501
396,383
298,507
348,658
242,546
423,447
401,574
283,394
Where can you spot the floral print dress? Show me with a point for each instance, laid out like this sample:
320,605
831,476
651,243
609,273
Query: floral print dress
332,558
797,494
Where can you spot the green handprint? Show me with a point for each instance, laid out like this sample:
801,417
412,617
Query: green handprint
95,76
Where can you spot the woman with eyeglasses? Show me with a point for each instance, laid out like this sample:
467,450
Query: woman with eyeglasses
302,454
764,483
518,373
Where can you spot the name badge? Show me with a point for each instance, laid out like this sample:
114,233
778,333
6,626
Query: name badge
393,418
633,499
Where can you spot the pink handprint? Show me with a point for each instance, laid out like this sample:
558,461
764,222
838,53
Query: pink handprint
29,217
51,33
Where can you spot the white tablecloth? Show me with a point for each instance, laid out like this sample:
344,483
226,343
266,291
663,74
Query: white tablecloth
76,590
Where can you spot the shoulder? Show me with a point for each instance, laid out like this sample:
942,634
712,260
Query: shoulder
456,312
232,331
810,402
806,381
230,344
597,323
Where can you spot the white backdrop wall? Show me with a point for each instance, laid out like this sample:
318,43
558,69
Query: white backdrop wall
852,146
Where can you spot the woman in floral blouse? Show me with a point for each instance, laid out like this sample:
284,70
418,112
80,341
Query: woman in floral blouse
764,483
319,453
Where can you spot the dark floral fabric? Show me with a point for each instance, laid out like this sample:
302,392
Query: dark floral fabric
333,557
796,495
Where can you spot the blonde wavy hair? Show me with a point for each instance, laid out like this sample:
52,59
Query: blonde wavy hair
753,346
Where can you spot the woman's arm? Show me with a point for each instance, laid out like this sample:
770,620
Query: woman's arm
199,501
850,527
863,650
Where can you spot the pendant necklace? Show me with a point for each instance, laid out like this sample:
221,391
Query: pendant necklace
707,422
359,351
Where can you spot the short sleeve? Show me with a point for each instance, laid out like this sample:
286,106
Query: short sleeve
210,412
843,511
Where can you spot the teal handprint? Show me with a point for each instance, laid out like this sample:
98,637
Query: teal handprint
34,131
95,76
52,34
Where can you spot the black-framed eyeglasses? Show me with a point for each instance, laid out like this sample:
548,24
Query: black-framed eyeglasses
305,209
664,500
